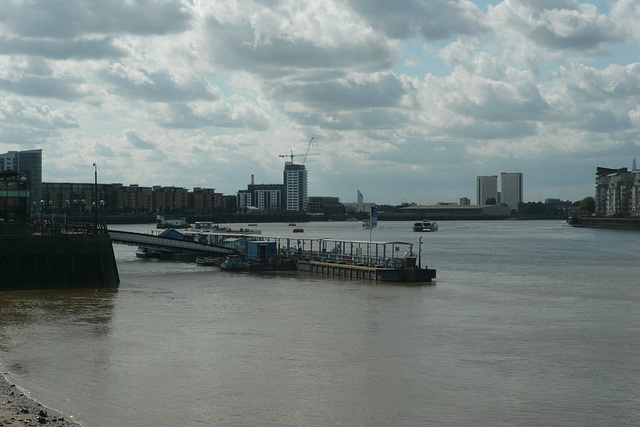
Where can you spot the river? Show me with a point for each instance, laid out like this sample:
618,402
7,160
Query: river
528,323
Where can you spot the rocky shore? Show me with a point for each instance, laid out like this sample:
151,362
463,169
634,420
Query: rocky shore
17,409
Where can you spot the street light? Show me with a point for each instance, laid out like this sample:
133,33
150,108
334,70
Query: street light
41,216
95,198
102,207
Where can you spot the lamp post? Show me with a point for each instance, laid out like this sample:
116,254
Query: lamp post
102,207
41,216
82,206
95,199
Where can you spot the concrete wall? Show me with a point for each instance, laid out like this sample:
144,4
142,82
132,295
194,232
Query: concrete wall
65,261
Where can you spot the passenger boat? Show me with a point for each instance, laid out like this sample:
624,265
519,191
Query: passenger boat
366,224
298,230
162,222
425,225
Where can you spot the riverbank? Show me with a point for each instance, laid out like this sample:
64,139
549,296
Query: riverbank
16,408
606,222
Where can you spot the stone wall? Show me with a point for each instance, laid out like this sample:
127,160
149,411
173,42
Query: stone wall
65,261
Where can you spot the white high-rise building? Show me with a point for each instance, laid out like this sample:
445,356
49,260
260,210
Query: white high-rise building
511,189
295,184
487,188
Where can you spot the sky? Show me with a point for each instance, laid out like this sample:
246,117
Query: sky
406,100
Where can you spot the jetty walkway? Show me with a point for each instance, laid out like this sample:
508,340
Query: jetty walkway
168,245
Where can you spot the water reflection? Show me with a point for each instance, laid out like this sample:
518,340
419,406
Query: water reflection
34,325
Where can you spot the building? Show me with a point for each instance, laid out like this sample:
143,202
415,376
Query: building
511,189
326,205
263,197
465,201
295,183
78,198
75,198
29,165
617,192
205,200
486,189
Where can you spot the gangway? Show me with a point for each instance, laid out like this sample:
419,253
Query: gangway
167,244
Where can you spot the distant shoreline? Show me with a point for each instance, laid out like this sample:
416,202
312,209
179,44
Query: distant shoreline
610,223
17,408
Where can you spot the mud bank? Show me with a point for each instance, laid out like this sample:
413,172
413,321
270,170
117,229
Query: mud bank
16,408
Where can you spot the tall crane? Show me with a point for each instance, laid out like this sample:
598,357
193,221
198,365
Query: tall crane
291,155
307,153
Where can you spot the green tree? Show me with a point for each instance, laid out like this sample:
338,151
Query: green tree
490,201
587,206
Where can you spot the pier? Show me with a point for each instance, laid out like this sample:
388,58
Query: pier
380,261
170,246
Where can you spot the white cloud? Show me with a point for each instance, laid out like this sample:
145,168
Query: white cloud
174,93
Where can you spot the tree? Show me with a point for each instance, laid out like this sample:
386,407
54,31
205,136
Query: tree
587,206
490,201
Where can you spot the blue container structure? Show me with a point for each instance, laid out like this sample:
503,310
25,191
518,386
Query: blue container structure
262,251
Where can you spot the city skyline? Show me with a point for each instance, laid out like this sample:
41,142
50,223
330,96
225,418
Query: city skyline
401,103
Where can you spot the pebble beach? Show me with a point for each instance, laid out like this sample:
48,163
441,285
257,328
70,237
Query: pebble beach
18,409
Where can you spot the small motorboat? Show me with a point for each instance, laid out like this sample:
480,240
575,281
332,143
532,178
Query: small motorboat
207,261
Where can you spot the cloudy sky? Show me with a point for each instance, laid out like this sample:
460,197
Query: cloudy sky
406,100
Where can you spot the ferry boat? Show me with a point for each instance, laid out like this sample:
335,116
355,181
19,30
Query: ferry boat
425,225
162,222
366,224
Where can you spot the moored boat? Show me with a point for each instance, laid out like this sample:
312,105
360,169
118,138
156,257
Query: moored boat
208,261
144,252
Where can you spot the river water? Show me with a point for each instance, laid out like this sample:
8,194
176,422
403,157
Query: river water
529,323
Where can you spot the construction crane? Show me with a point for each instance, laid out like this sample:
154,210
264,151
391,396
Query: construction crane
307,153
291,155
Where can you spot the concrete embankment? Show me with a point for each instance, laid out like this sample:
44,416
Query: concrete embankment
64,261
599,222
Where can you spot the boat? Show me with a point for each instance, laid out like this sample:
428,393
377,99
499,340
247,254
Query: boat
144,252
425,226
162,222
208,261
366,224
298,230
